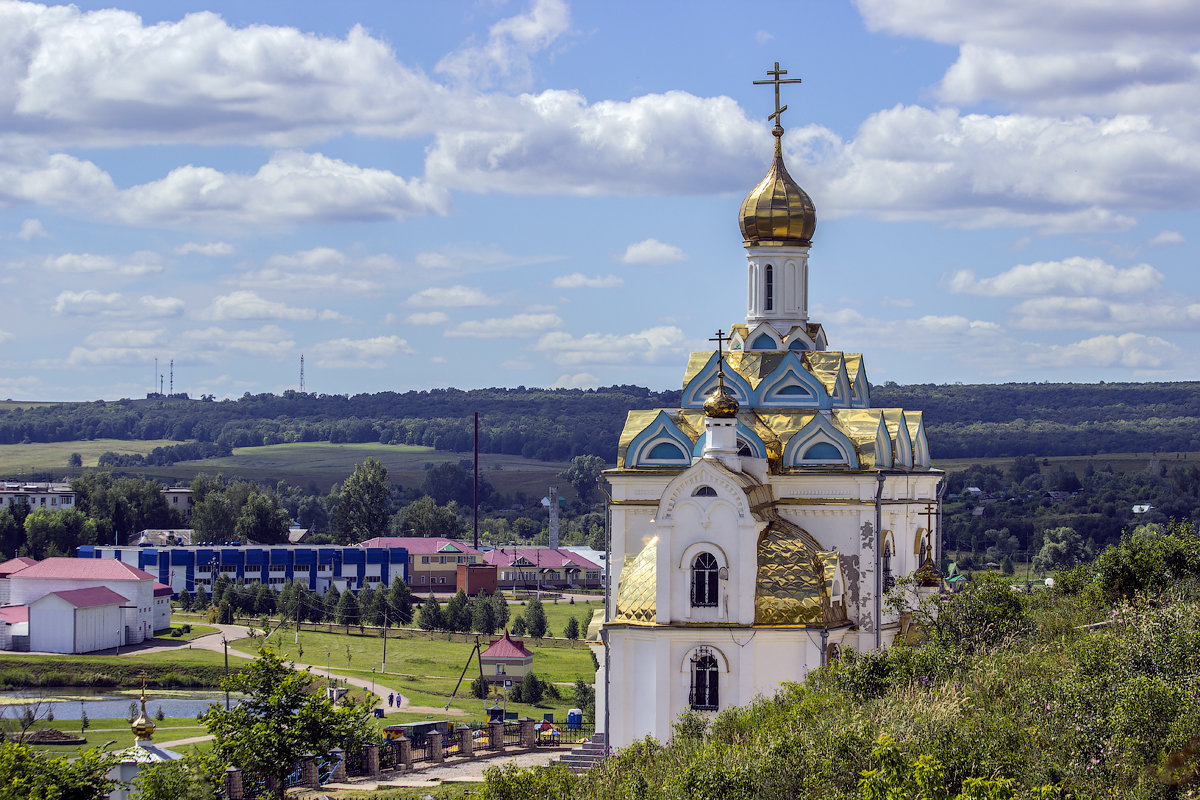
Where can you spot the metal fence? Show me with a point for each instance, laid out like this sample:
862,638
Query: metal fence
553,735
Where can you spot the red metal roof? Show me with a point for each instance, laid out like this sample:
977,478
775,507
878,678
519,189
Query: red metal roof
506,647
15,565
14,614
162,590
422,545
89,598
537,557
107,569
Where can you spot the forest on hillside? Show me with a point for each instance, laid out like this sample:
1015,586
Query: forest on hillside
962,421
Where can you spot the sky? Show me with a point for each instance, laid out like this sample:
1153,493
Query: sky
415,195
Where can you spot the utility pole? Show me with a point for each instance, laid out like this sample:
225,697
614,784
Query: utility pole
225,642
385,633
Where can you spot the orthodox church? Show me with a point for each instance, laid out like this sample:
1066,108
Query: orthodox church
756,529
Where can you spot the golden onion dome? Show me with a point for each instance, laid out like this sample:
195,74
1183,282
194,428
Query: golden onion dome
143,727
778,211
721,404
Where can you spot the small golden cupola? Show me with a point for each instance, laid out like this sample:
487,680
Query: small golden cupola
143,727
777,210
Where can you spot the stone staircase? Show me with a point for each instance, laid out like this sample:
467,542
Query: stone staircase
583,758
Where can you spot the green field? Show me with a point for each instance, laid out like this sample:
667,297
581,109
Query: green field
52,456
114,734
322,464
1120,462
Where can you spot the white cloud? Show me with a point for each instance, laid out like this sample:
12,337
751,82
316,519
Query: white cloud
581,380
555,143
360,353
268,341
319,269
505,56
31,229
452,297
1132,350
86,303
141,263
465,259
242,305
427,318
577,280
106,78
762,37
125,338
5,336
316,258
516,326
651,251
1166,237
1065,313
1072,276
149,306
90,302
293,186
661,345
214,249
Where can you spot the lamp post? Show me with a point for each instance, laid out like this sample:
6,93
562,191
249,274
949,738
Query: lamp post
372,680
225,644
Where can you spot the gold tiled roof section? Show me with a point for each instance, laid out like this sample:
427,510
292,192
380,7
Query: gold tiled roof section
862,426
825,365
913,420
636,600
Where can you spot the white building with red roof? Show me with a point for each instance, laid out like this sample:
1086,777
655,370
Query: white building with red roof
77,605
543,567
506,659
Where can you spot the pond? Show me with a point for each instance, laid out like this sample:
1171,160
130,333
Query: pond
108,703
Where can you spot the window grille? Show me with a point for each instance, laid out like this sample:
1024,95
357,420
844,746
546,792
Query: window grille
704,692
888,579
704,581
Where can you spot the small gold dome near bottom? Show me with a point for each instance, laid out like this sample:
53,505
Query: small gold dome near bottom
142,727
721,404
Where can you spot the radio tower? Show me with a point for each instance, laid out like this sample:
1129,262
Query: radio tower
302,373
172,384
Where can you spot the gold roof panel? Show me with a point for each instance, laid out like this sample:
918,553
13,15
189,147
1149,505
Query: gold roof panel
636,590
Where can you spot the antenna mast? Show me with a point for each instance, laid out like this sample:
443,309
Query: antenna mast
172,384
302,373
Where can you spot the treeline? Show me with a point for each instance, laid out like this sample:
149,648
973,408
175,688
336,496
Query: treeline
962,421
546,424
167,455
1083,512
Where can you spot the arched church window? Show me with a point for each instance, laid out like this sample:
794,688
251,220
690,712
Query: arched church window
888,579
704,581
704,693
665,451
744,449
704,491
924,550
823,451
769,285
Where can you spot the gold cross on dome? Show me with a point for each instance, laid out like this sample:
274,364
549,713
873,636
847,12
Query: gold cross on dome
777,79
720,339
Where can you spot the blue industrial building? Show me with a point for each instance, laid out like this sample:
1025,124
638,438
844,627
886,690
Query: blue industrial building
316,567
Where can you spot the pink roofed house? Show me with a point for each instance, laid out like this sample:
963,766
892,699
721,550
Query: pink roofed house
506,659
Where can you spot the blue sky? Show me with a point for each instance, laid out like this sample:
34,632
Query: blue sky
539,192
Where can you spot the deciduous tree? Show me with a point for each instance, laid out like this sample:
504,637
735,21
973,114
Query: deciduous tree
362,509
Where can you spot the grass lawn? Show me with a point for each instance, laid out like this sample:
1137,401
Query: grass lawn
557,613
196,631
114,734
425,667
53,456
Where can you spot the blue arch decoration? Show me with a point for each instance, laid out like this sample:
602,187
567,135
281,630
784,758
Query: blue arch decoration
798,452
790,385
764,342
758,448
659,444
704,383
798,344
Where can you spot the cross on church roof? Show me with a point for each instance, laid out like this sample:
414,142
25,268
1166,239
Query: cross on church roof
777,80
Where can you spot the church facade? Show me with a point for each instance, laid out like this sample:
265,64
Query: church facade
756,529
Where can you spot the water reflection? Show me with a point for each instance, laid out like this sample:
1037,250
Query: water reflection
108,703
